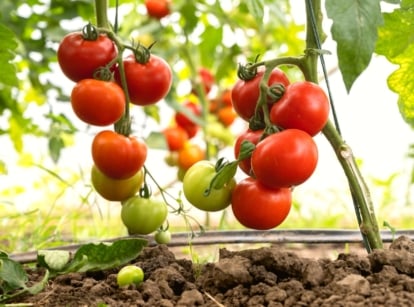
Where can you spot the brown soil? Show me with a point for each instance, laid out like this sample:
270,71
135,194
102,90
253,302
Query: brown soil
266,276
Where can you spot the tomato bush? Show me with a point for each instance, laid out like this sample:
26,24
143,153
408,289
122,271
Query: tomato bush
96,102
285,159
79,57
118,156
245,94
116,189
304,106
142,215
197,180
258,207
147,82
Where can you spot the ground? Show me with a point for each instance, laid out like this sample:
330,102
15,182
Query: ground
264,276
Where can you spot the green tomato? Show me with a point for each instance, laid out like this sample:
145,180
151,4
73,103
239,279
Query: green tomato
130,274
163,237
116,189
196,181
143,215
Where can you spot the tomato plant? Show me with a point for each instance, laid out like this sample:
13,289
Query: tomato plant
80,55
197,180
116,189
157,8
285,159
304,106
252,136
130,275
118,156
148,80
176,137
98,102
245,94
189,155
142,215
258,207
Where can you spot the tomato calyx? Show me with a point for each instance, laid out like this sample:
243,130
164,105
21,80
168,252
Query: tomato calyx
90,32
276,91
247,72
142,54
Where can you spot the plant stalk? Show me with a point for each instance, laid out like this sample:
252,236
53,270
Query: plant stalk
360,193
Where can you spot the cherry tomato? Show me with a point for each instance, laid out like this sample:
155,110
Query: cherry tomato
285,159
176,137
186,122
258,207
163,237
130,275
245,94
189,155
253,136
143,215
304,106
79,58
207,80
157,8
116,189
197,180
118,156
227,115
147,83
97,102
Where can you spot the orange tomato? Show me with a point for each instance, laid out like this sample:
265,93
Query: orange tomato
227,115
189,155
175,137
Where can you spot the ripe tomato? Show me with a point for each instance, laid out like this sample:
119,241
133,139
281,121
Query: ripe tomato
258,207
118,156
303,106
227,115
285,159
197,180
157,8
207,80
176,137
147,83
189,155
97,102
116,189
78,57
187,123
143,215
245,94
249,135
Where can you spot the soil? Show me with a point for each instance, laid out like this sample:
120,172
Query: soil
265,276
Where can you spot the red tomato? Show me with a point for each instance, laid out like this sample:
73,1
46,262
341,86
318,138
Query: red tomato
157,8
245,94
185,122
78,58
303,106
285,159
147,83
118,156
176,137
97,102
258,207
249,135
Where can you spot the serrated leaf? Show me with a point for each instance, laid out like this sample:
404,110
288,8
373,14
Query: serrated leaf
354,29
8,46
396,43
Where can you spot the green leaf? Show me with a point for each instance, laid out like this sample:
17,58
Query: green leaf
156,140
8,46
246,150
396,43
56,144
211,38
54,260
12,275
3,168
226,172
354,28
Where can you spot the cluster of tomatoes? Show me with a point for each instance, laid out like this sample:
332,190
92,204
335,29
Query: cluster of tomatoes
277,152
106,82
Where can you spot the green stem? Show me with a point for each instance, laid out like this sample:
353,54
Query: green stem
359,190
101,9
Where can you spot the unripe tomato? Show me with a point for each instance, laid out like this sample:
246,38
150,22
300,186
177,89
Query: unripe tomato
97,102
118,156
304,106
79,58
258,207
285,159
189,155
130,275
245,94
147,82
163,237
197,179
143,215
116,189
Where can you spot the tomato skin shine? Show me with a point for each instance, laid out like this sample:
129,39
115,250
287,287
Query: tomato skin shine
285,159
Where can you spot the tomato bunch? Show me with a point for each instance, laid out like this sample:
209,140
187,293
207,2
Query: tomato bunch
106,83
